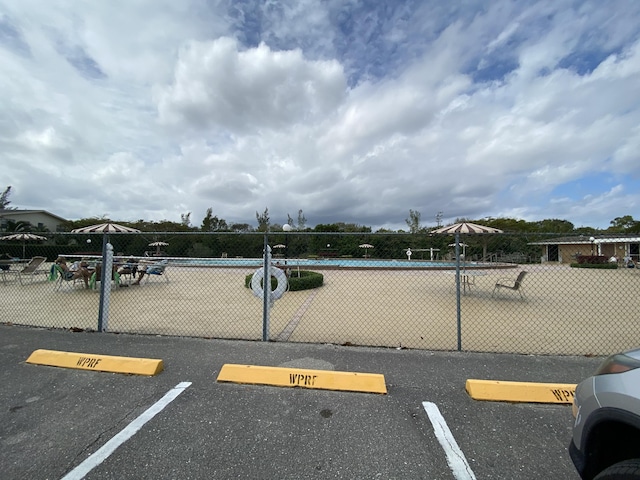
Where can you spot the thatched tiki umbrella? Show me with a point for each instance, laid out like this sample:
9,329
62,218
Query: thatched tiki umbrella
23,237
158,245
470,228
366,247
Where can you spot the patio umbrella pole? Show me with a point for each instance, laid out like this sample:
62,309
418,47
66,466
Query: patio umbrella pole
458,318
23,237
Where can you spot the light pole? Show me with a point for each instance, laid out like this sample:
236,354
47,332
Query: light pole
592,240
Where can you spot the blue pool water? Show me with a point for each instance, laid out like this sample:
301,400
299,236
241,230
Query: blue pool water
307,262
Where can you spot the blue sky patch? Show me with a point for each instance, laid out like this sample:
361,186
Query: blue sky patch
11,37
583,62
593,184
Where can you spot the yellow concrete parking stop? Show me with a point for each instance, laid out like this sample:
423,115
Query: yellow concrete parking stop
303,378
501,391
97,362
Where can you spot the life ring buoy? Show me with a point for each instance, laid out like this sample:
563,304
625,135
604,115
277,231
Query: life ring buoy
258,276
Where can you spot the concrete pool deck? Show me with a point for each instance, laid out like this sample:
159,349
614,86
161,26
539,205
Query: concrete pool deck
566,311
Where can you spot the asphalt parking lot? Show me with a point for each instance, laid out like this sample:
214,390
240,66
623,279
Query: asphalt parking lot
54,420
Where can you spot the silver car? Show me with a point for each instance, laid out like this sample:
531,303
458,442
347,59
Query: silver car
606,432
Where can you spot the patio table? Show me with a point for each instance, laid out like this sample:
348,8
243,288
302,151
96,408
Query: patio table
468,278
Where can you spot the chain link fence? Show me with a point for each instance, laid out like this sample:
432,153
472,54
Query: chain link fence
386,290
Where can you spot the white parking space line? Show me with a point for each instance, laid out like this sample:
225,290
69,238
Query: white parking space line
455,458
108,448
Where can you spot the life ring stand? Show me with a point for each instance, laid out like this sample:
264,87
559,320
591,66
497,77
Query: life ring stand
280,289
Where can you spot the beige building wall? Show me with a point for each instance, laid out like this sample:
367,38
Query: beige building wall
35,218
567,253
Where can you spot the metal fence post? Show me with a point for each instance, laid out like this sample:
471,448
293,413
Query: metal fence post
458,319
266,290
105,286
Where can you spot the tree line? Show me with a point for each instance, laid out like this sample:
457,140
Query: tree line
214,223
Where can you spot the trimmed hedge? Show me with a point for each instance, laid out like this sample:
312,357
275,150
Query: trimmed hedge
592,259
306,281
601,266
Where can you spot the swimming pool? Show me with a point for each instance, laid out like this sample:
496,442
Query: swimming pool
325,263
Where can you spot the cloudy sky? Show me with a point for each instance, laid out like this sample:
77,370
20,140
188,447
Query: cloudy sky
351,110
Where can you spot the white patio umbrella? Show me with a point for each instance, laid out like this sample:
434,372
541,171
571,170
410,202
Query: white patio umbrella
23,237
158,245
366,247
464,248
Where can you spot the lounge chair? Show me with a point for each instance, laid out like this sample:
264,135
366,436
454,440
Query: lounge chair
31,269
58,275
5,268
157,269
513,285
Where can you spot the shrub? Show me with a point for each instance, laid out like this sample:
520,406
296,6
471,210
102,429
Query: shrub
306,281
592,259
601,266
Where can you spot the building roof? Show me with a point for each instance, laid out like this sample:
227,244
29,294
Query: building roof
18,212
583,239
